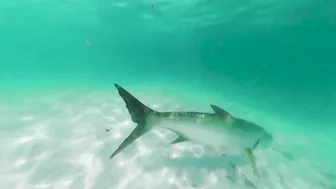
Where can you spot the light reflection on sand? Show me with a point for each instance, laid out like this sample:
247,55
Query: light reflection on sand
66,145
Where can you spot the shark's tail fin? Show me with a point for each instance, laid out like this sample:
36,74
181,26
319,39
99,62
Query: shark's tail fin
136,109
138,112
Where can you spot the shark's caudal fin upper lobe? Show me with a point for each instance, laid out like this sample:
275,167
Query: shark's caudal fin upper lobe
138,112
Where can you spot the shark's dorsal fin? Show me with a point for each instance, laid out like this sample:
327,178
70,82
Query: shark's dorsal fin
219,111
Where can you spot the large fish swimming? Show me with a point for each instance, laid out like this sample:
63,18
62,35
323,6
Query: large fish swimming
219,129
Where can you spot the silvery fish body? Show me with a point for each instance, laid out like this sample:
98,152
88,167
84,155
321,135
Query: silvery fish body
211,129
219,129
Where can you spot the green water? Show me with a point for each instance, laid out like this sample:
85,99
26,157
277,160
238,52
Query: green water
272,62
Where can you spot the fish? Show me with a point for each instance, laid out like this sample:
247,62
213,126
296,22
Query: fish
218,129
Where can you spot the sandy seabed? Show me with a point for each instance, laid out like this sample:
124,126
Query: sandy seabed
64,141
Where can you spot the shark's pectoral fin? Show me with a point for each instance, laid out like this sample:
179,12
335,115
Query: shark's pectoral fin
179,139
249,155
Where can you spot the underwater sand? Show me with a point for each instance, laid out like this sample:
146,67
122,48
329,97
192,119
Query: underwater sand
63,140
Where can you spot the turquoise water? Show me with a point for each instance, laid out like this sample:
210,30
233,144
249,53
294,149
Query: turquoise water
271,62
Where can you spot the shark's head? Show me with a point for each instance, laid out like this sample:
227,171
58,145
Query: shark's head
253,131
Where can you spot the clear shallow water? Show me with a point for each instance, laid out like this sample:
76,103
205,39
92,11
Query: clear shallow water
267,61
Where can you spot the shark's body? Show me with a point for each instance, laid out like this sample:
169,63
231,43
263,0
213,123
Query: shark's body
219,129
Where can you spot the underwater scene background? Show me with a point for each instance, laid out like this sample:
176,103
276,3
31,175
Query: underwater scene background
270,62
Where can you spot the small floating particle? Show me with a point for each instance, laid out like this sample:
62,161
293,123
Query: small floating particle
88,43
107,130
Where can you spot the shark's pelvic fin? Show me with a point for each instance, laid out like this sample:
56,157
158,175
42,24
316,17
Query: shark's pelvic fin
250,156
219,111
138,112
179,139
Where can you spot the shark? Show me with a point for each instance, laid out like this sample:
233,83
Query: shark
217,129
